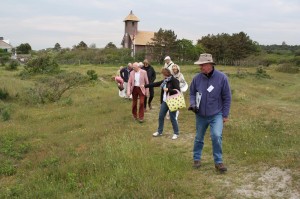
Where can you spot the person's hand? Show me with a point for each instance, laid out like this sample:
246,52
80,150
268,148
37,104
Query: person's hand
194,109
142,86
166,89
225,119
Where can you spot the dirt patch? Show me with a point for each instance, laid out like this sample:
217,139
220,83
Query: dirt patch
273,183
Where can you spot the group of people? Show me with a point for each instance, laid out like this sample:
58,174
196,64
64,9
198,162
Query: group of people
122,79
210,99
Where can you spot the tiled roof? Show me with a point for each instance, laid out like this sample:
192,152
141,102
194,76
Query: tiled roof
131,17
143,37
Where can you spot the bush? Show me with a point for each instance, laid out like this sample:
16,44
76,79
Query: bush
4,57
261,73
13,65
287,68
3,94
267,61
24,74
5,113
51,89
296,60
92,74
241,73
42,64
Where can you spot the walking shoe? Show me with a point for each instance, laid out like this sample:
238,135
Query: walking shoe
220,167
197,164
175,136
156,134
141,120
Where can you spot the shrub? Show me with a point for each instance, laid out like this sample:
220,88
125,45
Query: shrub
13,65
296,60
287,68
267,61
3,94
31,96
5,113
92,74
24,74
261,73
42,64
4,57
51,89
241,73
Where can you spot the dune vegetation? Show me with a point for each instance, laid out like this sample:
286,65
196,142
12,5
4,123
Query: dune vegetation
85,143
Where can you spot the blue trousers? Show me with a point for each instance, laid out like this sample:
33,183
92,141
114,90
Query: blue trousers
215,123
161,119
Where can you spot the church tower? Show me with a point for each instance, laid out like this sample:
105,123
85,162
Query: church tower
131,24
131,30
134,39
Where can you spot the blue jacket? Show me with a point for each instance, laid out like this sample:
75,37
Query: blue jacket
124,73
215,101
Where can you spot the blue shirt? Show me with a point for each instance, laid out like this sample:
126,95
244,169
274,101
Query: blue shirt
215,93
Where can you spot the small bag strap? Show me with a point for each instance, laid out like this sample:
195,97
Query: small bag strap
173,96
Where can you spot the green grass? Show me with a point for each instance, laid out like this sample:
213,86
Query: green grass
87,145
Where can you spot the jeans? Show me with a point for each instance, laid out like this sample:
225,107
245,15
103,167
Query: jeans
215,123
161,119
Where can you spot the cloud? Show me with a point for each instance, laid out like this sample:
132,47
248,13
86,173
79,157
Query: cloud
45,31
45,22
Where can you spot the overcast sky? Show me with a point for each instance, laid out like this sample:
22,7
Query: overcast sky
42,23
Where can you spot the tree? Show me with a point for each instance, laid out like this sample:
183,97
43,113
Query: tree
228,49
24,48
57,47
164,43
187,52
110,45
81,46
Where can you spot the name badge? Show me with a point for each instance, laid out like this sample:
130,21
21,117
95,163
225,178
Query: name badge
210,88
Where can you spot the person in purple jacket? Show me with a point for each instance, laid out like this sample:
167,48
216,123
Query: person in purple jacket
210,99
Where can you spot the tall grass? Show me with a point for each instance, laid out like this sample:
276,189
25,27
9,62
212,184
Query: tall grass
91,148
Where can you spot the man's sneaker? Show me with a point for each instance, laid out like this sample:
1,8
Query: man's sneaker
175,136
156,134
141,120
220,167
197,164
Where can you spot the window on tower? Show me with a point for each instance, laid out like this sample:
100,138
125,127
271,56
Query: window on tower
133,23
